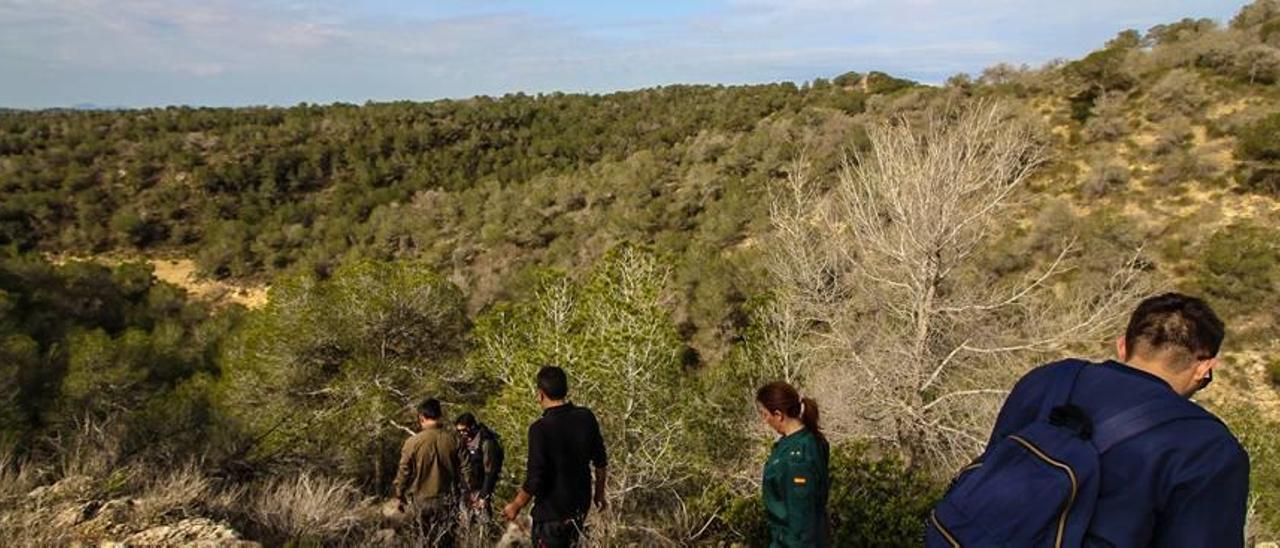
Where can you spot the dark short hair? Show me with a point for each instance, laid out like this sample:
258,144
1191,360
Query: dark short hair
430,408
1182,326
553,382
466,419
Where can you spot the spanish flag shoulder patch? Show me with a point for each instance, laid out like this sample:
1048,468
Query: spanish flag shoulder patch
800,480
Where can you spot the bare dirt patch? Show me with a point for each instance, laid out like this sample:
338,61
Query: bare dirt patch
183,273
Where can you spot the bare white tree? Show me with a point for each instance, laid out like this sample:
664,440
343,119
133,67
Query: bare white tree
612,334
906,338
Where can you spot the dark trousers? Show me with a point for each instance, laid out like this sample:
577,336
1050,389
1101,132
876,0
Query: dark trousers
557,534
433,522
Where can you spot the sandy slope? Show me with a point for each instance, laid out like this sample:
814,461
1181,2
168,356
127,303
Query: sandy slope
182,273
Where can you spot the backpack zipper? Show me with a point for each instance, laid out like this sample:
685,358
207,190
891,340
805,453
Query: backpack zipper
1071,474
933,516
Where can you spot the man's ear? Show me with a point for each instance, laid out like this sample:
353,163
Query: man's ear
1203,367
1121,351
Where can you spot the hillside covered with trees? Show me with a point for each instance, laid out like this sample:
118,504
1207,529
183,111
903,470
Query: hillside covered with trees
671,247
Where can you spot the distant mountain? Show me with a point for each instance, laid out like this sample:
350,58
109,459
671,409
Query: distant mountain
95,106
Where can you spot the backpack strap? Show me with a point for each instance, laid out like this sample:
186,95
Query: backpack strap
1062,382
1133,421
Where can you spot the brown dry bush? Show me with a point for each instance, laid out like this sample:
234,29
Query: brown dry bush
1181,92
17,477
309,508
179,492
1110,119
1184,166
1172,136
908,340
1106,174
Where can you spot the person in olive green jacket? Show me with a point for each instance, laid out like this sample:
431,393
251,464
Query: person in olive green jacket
429,477
796,481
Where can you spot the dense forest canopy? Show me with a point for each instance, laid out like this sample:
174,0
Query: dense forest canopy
451,247
478,188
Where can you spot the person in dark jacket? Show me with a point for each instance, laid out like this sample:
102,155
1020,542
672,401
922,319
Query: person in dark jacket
1182,483
564,446
483,456
796,481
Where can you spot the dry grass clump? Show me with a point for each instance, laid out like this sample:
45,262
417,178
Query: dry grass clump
16,476
175,493
309,507
24,520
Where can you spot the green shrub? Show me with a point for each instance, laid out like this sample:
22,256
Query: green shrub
1180,92
1107,119
1182,166
745,521
1174,135
1239,266
847,79
881,83
1260,436
614,337
875,501
1104,69
1182,31
1258,150
328,368
1105,175
1273,371
1255,13
1263,179
83,343
1269,32
1260,141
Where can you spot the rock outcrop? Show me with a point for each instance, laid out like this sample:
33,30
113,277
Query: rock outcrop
71,509
188,532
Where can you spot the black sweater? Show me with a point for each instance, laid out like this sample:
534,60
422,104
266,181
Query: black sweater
563,444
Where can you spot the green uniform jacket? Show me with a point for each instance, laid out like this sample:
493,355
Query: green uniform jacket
796,486
430,467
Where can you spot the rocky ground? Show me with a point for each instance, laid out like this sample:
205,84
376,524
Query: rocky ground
70,512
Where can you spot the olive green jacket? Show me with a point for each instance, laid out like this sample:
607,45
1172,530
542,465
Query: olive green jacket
796,487
430,466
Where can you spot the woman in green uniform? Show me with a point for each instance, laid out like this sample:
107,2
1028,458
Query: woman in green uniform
796,482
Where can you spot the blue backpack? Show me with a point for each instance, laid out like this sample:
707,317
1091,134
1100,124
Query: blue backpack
1039,485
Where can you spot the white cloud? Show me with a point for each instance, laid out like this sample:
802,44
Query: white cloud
244,51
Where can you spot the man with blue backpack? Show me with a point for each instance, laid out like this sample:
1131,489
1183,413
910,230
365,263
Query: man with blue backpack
1109,454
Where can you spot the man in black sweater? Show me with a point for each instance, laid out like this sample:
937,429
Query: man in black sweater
564,445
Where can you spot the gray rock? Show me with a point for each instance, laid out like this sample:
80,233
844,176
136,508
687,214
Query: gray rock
189,532
113,518
72,515
68,487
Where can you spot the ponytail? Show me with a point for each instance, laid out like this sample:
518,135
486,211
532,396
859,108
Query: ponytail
781,397
809,416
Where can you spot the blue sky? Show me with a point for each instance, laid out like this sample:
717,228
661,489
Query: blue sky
277,52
